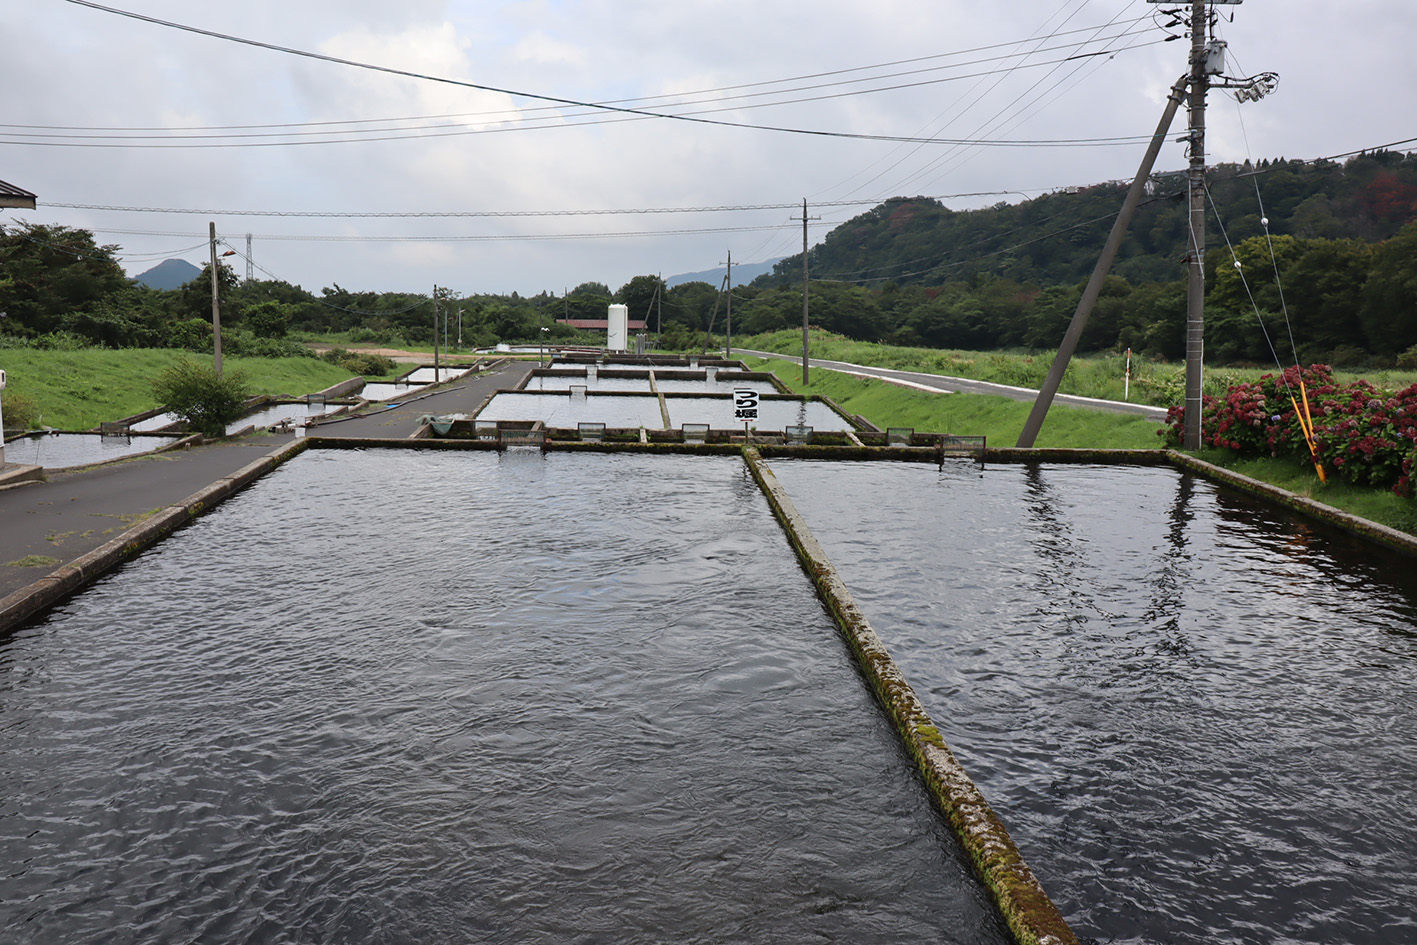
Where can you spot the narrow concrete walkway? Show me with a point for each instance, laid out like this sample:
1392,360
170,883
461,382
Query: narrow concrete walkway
948,385
52,523
46,525
400,420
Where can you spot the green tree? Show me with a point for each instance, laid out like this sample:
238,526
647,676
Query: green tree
639,294
268,319
194,299
50,273
1389,312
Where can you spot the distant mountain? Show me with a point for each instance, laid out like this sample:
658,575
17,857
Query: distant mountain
169,274
743,273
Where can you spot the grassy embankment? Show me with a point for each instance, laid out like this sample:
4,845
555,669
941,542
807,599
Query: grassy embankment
998,418
1158,383
78,390
1001,420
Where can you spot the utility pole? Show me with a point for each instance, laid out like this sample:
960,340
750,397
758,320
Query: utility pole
216,306
728,346
250,263
435,330
1207,59
804,291
659,310
1195,269
1046,393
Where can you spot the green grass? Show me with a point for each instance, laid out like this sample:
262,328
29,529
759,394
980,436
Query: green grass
1160,384
998,418
78,390
1374,504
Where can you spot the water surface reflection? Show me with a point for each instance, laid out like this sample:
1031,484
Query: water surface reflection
1193,712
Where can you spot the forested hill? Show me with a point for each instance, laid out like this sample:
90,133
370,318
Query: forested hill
1054,239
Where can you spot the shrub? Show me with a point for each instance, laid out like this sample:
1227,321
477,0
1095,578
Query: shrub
360,362
1361,434
206,402
21,413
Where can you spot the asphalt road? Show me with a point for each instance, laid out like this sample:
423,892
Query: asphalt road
950,385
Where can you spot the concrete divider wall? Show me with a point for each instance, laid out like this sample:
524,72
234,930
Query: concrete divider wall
1031,916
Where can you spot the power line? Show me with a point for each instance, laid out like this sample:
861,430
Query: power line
601,106
493,238
457,214
674,98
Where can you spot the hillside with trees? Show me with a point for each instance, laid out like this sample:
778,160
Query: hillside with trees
1342,238
919,273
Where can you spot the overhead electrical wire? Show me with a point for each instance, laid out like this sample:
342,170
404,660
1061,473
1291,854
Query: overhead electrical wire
598,106
485,238
435,214
670,98
1011,115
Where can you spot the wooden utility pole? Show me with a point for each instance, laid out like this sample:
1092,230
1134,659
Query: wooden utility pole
216,306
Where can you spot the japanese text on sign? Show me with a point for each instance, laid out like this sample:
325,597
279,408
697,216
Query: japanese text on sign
745,404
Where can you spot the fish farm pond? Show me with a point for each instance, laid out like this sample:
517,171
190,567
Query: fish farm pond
593,697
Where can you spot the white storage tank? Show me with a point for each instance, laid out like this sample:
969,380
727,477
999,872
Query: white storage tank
617,333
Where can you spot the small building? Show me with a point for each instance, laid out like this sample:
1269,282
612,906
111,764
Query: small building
15,198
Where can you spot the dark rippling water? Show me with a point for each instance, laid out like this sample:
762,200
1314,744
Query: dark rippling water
426,698
1196,714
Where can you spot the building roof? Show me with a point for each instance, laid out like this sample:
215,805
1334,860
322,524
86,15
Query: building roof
601,323
12,196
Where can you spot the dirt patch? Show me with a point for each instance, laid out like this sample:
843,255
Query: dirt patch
396,354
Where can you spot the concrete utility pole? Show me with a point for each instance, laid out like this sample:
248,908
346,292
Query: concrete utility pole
216,306
728,345
1046,393
1195,271
804,291
435,331
250,262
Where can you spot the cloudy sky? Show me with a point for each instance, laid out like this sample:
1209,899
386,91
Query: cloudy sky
120,118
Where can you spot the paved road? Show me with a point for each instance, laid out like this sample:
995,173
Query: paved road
949,385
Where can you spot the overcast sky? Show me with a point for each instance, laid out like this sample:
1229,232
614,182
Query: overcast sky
78,79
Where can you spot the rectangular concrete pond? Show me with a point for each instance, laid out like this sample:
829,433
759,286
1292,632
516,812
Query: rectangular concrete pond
62,450
388,390
778,415
1195,713
602,703
272,414
561,381
561,409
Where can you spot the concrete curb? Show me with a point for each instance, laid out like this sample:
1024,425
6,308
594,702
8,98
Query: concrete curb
85,569
1031,916
1375,532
